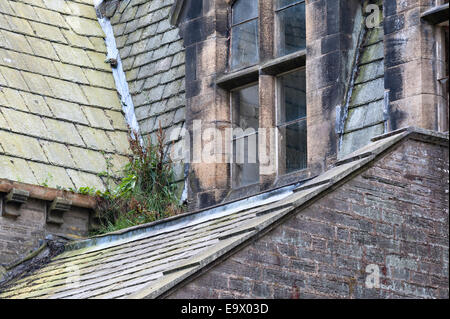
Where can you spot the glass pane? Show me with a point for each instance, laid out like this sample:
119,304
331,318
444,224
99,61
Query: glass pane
292,96
245,108
293,155
284,3
244,10
245,159
291,30
244,46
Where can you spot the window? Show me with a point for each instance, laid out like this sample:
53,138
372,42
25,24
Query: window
291,121
438,16
245,120
276,102
244,34
290,21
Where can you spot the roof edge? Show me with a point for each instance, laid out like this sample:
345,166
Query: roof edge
136,231
115,238
175,12
425,135
49,194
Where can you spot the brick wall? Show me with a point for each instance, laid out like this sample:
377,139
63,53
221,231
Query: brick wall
19,236
393,215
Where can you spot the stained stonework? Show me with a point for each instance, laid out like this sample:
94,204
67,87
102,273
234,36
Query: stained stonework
153,58
203,26
393,216
412,60
332,32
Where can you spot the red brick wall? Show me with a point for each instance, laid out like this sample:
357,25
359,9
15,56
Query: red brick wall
393,215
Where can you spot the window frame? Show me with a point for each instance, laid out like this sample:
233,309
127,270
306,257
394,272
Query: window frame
233,25
277,25
243,137
274,66
278,137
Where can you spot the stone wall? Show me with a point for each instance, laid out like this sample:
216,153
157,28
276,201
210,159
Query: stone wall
393,215
25,233
153,58
203,26
332,30
411,64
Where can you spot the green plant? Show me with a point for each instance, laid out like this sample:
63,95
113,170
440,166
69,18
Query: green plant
47,180
145,193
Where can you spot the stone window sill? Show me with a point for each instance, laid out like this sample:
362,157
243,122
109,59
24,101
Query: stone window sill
437,15
249,75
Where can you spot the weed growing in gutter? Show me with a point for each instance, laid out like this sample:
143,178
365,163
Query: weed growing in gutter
145,193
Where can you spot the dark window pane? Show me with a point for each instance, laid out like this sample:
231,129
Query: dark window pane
193,9
292,96
291,30
244,10
245,108
244,46
245,158
293,137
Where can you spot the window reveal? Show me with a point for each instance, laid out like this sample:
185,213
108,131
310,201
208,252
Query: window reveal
289,34
245,120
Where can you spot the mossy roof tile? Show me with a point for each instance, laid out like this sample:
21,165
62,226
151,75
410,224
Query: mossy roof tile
54,89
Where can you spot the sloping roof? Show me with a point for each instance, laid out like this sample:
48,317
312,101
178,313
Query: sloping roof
147,261
366,118
153,57
60,114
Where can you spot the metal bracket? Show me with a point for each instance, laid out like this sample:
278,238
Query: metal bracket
11,204
56,210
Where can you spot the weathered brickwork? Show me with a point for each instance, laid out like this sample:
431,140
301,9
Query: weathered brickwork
393,215
153,59
19,236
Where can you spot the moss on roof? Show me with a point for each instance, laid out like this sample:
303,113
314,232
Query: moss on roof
60,114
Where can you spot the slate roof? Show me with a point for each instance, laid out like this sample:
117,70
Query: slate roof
147,261
153,58
60,114
365,118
